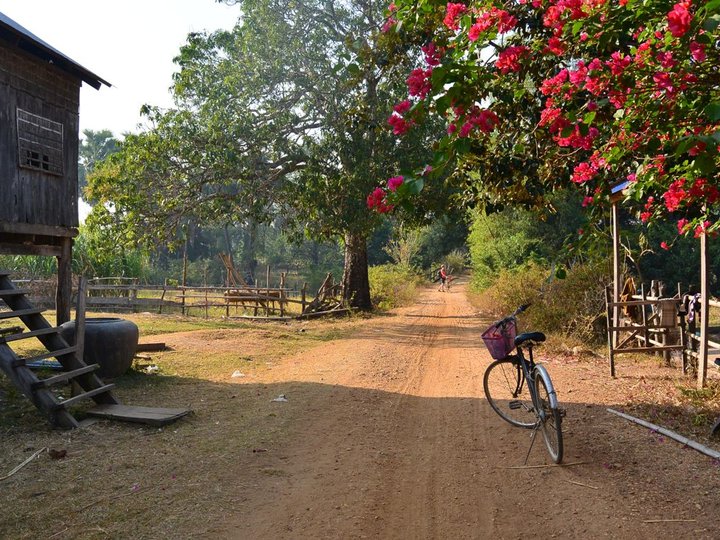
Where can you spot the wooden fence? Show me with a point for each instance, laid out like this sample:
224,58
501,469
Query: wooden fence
130,296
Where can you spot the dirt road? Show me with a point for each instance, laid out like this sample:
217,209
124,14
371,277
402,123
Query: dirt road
390,437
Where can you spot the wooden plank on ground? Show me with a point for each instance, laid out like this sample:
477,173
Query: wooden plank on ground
154,416
150,347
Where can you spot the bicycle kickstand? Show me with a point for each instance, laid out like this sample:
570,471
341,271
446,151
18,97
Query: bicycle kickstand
532,442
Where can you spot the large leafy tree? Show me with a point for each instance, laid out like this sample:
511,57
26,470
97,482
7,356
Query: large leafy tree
94,147
285,113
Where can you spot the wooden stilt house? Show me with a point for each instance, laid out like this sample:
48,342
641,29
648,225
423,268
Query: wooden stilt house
39,110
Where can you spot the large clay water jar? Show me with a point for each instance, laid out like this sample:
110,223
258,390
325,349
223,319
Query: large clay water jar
109,341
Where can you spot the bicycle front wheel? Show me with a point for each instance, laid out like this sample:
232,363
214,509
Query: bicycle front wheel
550,419
507,392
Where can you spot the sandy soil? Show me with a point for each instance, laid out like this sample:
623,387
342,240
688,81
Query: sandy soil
400,443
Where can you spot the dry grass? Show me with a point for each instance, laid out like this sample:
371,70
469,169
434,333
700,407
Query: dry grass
125,480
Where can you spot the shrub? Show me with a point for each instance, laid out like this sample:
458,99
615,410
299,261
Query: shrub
574,306
392,285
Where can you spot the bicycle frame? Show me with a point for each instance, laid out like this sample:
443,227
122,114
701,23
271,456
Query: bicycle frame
531,370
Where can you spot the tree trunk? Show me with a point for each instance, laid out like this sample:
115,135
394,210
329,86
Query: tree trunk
355,283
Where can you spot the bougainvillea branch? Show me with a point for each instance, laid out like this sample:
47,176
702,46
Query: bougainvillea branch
545,94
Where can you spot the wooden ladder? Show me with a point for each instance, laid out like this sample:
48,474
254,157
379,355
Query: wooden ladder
16,368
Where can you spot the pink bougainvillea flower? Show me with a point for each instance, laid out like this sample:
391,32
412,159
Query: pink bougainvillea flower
509,59
376,201
399,124
433,54
395,182
664,245
679,19
682,225
402,107
666,59
697,51
587,201
554,85
465,129
453,11
675,195
664,82
419,82
389,25
701,228
583,172
555,46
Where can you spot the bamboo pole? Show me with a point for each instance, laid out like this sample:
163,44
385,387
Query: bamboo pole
684,440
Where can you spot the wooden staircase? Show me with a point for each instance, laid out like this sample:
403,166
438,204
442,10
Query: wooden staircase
39,391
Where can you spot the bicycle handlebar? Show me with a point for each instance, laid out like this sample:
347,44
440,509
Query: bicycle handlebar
509,318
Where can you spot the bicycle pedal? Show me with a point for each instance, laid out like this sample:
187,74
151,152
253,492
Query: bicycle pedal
515,404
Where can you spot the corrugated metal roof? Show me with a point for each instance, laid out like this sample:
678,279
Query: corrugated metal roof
30,43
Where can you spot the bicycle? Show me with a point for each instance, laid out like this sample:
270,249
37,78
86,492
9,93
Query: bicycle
518,389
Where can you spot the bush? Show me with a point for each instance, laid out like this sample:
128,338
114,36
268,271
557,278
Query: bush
392,285
574,306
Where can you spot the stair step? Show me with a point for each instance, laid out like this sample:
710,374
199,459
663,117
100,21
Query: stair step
34,333
85,395
20,313
64,377
43,356
13,292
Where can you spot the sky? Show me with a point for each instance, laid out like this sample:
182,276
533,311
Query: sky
129,43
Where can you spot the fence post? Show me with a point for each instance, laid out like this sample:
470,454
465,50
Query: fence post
303,294
282,294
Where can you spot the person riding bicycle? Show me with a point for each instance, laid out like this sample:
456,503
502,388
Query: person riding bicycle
443,278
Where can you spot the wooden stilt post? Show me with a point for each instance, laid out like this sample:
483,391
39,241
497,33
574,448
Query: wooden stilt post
646,343
63,293
616,269
683,336
611,353
704,313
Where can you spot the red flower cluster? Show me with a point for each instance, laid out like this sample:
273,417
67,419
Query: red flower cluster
509,59
400,124
679,19
453,11
377,201
419,82
488,19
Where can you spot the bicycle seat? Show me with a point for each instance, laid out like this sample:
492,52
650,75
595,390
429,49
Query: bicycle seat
537,337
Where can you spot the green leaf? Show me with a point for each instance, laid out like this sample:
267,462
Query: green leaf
353,70
705,164
684,145
712,22
589,117
712,111
416,185
561,273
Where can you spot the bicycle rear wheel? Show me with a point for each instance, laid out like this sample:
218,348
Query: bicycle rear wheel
508,394
550,419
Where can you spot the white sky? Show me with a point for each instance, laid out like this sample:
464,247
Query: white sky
129,43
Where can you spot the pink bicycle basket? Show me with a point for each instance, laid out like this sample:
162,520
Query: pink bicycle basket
500,340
